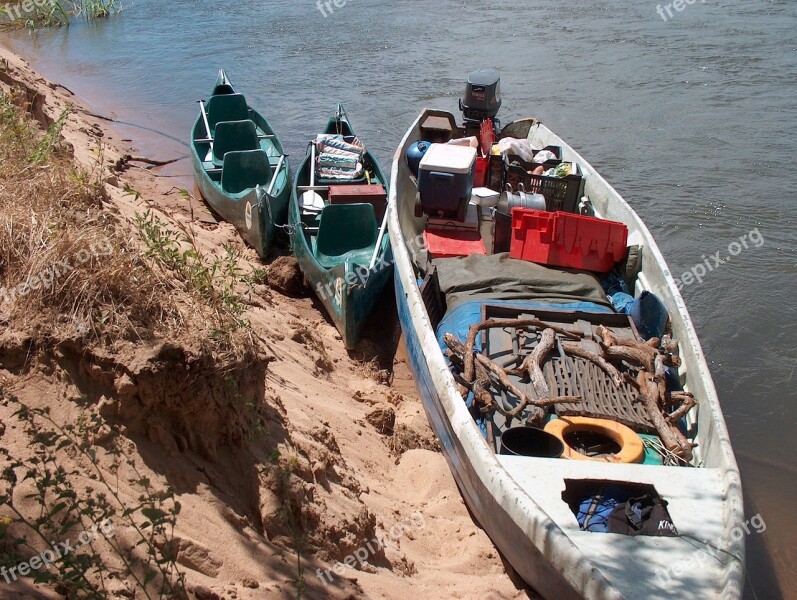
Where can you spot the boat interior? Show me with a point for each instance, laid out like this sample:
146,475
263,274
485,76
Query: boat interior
236,144
341,197
551,387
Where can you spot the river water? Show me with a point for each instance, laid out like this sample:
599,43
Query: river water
692,117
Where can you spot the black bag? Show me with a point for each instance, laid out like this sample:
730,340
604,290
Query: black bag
643,515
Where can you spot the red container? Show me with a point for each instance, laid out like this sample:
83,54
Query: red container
487,136
480,179
448,243
563,239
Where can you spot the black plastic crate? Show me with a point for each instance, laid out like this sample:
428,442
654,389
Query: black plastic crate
561,194
495,173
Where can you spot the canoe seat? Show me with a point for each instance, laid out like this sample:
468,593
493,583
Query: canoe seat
245,169
234,136
223,88
227,107
346,232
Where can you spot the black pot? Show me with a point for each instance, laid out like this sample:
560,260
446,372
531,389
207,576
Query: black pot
529,441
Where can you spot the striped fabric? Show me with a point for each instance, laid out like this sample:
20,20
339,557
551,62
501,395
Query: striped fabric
338,159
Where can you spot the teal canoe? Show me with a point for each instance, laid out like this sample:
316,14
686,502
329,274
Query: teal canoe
239,165
342,248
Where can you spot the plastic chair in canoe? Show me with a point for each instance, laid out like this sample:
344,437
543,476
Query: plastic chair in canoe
346,232
226,107
244,170
234,136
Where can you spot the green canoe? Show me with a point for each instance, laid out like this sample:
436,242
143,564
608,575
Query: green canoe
240,167
342,248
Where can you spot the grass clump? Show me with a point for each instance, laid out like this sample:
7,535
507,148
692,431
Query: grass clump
66,262
36,14
63,259
212,280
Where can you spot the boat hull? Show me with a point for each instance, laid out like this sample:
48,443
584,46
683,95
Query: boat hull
348,292
256,215
260,227
518,500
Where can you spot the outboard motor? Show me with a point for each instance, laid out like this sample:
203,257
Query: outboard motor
482,95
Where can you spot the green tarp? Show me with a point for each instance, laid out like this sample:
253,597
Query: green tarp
479,277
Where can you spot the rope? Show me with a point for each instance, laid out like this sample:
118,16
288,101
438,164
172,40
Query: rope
136,125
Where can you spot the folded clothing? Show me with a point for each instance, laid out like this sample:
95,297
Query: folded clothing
337,158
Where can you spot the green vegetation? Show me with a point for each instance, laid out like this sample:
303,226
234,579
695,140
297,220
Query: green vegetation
34,14
140,537
66,256
212,280
64,260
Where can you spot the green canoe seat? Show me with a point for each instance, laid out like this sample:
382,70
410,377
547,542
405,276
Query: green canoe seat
346,232
223,88
245,169
234,136
227,107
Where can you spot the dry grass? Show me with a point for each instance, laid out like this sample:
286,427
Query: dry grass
65,262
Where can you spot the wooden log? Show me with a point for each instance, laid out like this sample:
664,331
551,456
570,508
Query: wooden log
687,405
462,383
629,355
503,379
597,359
672,439
479,386
669,345
660,378
546,402
631,351
680,397
533,363
515,323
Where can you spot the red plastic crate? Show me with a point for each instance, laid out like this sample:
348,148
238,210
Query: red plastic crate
480,178
563,239
448,243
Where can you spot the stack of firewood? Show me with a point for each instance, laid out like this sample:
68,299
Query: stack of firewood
648,359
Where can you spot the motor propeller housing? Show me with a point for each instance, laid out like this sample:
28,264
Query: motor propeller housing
482,95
